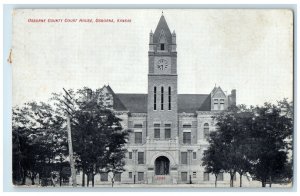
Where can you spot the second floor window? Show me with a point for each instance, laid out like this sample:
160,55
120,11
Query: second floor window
162,98
222,104
167,133
194,155
206,130
187,126
156,133
187,137
154,106
138,126
183,157
140,157
130,155
138,137
169,98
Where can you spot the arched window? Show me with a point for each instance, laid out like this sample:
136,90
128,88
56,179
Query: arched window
206,130
154,105
162,98
169,97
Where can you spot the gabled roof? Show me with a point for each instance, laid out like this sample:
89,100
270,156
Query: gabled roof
217,89
136,103
162,25
188,103
117,103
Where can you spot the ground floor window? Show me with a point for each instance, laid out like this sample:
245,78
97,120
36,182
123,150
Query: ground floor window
206,176
129,174
117,177
140,176
220,177
194,175
103,177
183,176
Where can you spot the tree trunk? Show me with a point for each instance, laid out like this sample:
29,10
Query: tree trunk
93,180
263,182
241,179
216,177
87,180
231,179
83,179
32,180
24,177
270,181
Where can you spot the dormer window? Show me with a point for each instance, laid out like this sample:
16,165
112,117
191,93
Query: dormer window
162,46
216,104
222,104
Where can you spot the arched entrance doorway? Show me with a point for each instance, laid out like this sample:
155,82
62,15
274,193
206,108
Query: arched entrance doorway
162,166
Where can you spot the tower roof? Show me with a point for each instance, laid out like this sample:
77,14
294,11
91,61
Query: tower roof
162,25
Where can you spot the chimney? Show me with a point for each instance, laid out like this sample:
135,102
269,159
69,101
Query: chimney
233,97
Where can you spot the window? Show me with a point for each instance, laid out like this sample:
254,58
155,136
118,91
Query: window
129,174
183,176
183,157
156,133
162,98
221,104
187,137
140,176
187,126
205,176
130,155
162,46
154,106
194,174
118,177
194,155
138,126
169,97
140,157
103,177
167,133
216,104
167,125
138,137
206,130
156,125
220,177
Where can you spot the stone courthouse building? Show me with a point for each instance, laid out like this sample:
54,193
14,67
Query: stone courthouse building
169,130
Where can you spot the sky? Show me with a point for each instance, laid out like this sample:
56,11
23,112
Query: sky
247,50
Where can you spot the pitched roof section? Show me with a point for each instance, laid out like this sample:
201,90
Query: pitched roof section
117,103
136,103
191,103
162,25
188,103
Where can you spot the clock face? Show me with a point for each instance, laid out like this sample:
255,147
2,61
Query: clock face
162,64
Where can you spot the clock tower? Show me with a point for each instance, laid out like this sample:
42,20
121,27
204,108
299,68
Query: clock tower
162,83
